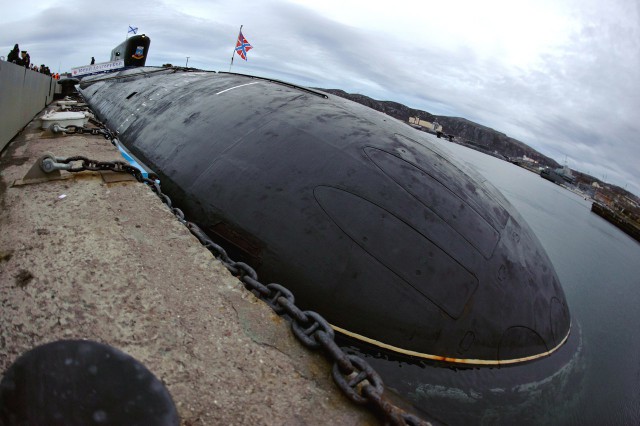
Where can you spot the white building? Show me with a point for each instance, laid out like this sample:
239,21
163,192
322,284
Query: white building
435,126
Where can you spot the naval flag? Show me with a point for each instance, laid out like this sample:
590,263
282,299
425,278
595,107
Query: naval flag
133,30
242,46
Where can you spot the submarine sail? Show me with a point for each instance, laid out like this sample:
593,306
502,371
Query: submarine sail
364,218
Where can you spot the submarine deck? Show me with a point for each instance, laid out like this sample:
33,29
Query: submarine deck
86,257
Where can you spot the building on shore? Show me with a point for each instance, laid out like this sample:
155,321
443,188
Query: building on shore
435,126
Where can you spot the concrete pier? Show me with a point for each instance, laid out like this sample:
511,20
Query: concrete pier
92,257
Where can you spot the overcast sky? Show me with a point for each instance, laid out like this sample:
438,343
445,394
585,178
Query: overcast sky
563,76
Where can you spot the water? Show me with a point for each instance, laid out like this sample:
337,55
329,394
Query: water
595,377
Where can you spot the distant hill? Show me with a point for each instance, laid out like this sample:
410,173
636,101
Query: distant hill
485,138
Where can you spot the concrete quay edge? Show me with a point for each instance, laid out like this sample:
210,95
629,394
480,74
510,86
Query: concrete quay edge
81,258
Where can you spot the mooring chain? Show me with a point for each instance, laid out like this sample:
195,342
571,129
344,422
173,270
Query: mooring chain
352,374
82,130
122,166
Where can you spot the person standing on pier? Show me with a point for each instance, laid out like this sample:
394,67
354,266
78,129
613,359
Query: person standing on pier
26,59
14,55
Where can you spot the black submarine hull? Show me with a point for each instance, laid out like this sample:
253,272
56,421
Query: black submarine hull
364,218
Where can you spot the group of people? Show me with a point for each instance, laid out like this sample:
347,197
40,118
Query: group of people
22,58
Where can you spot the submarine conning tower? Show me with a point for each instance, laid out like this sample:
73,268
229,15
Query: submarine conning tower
365,219
133,51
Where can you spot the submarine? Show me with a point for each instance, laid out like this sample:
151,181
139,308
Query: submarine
366,220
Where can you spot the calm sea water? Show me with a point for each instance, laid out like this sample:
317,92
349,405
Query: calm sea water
595,377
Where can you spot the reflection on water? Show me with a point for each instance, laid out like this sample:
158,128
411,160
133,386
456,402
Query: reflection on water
540,392
595,377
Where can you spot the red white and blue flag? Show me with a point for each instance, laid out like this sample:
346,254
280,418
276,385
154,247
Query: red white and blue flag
242,46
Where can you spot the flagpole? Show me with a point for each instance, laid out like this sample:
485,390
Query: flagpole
234,48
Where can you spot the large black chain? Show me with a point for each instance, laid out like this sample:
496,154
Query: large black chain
353,375
72,129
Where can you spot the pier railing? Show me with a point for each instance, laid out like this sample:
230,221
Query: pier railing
23,94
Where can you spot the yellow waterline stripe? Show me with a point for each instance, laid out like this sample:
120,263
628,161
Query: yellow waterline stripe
444,358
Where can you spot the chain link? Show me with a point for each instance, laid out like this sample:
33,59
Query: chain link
353,375
72,129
